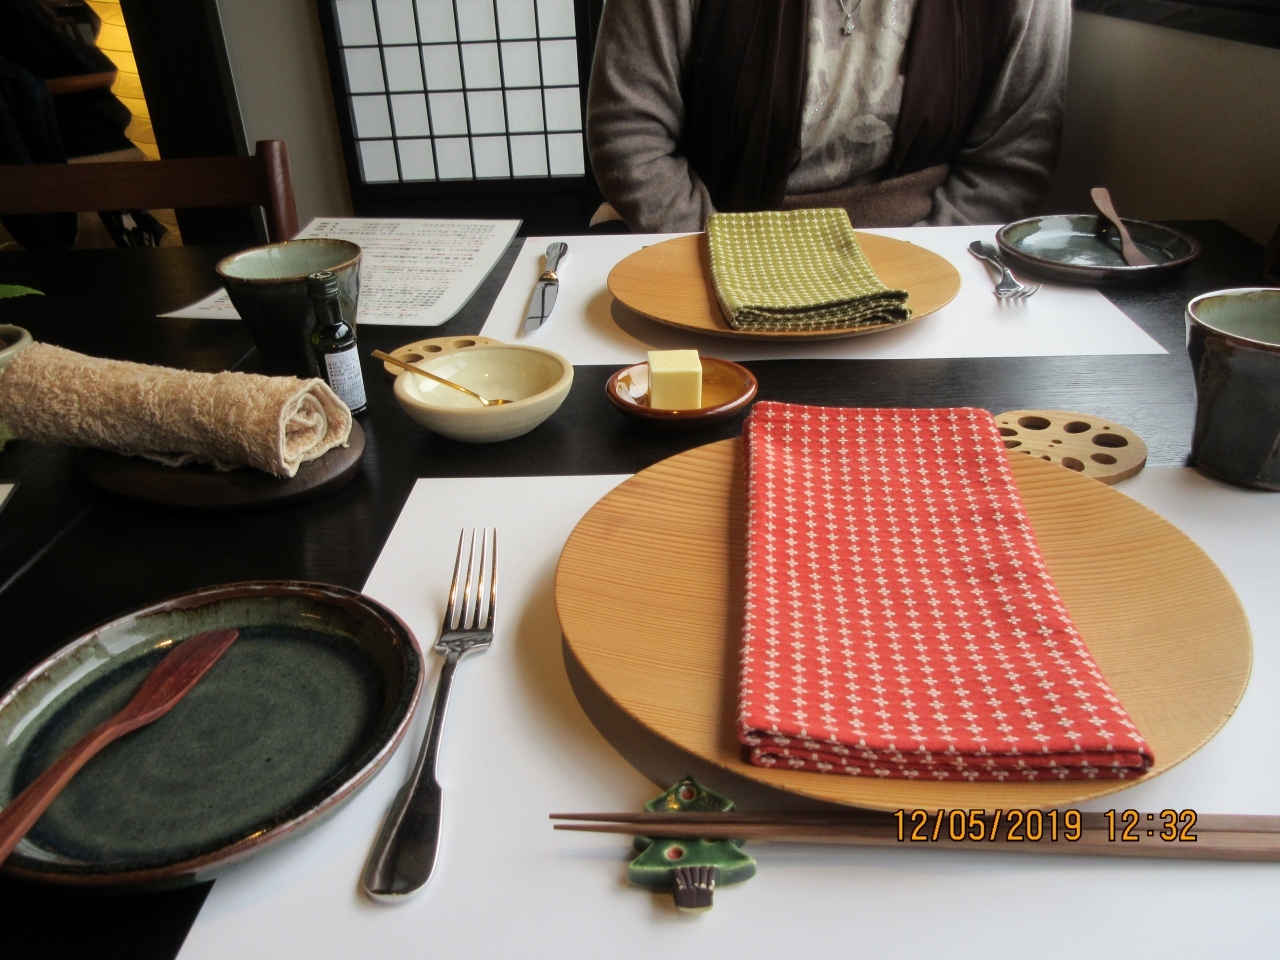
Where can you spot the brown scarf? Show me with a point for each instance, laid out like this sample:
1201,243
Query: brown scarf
745,91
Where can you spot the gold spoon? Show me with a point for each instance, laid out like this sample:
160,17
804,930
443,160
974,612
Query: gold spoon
386,357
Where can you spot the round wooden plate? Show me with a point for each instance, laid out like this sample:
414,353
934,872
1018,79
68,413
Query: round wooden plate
671,282
649,592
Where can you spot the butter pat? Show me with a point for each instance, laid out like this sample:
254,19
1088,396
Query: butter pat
675,380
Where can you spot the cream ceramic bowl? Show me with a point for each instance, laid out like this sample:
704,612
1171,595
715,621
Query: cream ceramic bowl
536,380
13,340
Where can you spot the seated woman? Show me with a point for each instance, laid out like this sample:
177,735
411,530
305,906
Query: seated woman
900,111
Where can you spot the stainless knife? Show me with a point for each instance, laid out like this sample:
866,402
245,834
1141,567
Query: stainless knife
544,294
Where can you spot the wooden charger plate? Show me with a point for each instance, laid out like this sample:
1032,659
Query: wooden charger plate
649,592
671,282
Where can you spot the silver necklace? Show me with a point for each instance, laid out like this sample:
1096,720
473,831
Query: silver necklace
849,27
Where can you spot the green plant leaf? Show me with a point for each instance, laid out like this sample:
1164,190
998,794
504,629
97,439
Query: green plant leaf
11,290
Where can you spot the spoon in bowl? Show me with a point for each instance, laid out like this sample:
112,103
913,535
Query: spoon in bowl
387,358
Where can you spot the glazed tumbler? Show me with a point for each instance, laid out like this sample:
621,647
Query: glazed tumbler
1233,337
268,286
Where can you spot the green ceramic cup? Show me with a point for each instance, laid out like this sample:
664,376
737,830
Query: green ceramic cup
268,286
1233,338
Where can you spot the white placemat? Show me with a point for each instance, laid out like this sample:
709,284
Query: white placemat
588,327
517,746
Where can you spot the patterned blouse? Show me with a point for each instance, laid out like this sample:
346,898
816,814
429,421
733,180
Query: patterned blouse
852,93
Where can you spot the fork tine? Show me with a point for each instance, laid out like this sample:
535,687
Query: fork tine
452,609
466,620
480,574
493,581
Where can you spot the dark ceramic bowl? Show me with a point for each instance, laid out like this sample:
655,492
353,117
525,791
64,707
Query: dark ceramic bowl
1085,248
727,390
300,712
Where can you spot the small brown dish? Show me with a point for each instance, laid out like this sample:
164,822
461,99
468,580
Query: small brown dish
200,488
727,390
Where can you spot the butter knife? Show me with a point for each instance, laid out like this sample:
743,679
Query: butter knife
548,287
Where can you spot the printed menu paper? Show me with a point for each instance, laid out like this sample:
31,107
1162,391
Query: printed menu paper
413,272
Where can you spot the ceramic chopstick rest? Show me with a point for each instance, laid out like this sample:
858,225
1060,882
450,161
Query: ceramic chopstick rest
690,868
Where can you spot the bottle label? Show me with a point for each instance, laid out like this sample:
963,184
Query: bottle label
342,371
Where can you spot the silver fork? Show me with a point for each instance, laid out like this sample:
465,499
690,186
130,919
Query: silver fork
1008,288
404,854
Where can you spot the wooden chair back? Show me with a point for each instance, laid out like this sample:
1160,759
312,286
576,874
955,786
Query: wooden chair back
260,180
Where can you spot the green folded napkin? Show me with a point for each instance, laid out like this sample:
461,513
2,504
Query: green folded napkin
796,270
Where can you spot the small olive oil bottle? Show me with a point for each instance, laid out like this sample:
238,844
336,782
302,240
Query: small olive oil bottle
334,342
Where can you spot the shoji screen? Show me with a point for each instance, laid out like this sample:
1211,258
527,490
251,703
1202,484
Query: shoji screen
444,90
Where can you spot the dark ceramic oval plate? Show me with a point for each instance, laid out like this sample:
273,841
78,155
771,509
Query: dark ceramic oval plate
1085,248
300,712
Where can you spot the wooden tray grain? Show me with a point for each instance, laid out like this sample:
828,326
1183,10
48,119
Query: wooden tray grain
671,282
649,591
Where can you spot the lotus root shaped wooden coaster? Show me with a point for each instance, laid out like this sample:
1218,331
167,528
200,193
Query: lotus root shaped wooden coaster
435,347
1098,448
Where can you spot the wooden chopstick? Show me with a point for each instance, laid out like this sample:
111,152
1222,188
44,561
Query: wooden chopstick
1217,836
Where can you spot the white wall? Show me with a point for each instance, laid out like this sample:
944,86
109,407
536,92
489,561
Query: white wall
1177,125
278,65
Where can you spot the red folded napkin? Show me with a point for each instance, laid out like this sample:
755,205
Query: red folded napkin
899,618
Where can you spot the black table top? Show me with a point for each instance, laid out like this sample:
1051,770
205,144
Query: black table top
72,557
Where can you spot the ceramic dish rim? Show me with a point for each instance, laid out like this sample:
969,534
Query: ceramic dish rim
563,382
1236,338
199,867
1109,271
25,340
221,264
650,413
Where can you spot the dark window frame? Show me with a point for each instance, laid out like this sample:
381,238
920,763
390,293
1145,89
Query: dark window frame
1255,22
